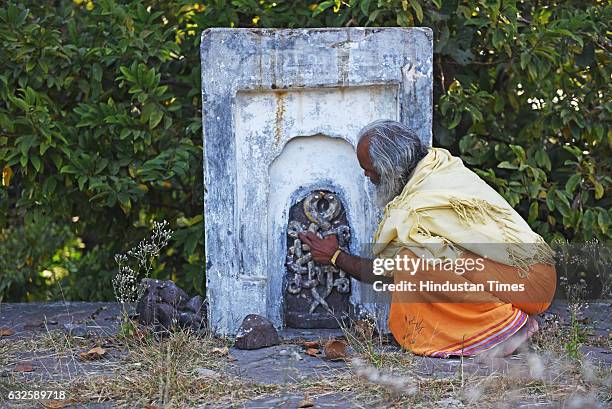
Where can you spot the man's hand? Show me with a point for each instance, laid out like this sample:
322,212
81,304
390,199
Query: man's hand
357,267
322,250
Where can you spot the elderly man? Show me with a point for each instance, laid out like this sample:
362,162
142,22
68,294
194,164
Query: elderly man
437,209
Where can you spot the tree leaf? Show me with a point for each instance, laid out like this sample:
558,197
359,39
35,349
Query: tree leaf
155,118
507,165
36,162
572,182
7,174
24,367
599,190
96,72
364,5
416,6
603,220
533,212
322,7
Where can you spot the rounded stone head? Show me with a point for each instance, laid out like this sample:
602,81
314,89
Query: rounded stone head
388,151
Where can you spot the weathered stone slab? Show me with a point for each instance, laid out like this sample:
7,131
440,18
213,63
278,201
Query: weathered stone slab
282,364
24,318
281,112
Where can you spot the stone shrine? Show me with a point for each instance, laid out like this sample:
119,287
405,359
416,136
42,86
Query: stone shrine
281,113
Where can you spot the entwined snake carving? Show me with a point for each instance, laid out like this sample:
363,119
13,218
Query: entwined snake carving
306,274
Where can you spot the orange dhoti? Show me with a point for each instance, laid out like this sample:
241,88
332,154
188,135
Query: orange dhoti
446,323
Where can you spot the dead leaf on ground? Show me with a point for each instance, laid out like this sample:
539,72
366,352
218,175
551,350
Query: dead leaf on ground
6,332
306,403
335,349
221,351
312,351
92,354
58,404
24,367
311,344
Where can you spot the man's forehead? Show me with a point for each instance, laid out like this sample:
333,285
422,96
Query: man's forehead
363,152
364,142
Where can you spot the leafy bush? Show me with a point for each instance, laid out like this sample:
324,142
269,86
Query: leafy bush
99,132
100,118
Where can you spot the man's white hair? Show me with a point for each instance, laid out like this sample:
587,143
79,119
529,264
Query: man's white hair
395,150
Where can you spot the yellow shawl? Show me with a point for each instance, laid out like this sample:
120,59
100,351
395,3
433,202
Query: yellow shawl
446,208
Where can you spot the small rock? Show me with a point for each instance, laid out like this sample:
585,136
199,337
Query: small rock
164,306
256,332
450,402
165,316
173,295
195,305
188,319
75,330
146,307
33,324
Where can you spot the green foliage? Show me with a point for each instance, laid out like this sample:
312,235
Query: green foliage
100,130
35,257
524,104
100,118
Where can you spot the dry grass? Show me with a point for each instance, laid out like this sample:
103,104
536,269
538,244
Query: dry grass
175,371
386,376
178,370
370,345
5,347
5,353
369,387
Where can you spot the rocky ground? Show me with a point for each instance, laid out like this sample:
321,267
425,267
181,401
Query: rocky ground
84,350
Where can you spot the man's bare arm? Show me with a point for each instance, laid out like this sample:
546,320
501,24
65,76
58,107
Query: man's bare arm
360,268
